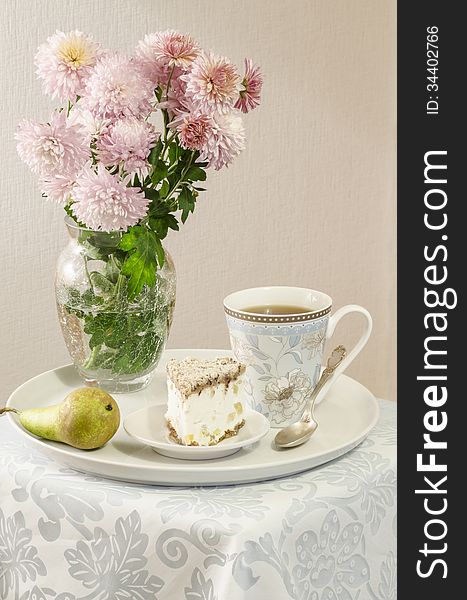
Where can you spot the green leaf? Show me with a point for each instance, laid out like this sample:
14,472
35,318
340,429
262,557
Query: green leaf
91,252
174,151
159,226
105,328
89,298
172,222
196,173
138,353
112,268
159,173
159,252
186,203
120,340
106,241
162,224
145,251
158,92
159,209
101,281
175,176
164,189
69,212
151,193
155,153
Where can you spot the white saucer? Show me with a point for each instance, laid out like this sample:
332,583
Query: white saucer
149,427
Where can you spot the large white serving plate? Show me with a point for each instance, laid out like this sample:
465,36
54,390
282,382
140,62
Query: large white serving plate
346,416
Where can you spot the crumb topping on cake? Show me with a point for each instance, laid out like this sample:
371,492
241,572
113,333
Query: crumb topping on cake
193,375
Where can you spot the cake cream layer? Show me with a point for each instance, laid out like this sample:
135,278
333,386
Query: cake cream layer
207,415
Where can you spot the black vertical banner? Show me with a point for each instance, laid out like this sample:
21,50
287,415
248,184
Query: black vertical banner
432,349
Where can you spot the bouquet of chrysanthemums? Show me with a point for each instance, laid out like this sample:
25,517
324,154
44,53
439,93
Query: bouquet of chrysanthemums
134,135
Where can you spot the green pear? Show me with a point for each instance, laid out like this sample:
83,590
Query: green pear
86,419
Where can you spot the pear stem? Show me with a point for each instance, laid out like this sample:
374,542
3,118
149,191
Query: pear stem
7,409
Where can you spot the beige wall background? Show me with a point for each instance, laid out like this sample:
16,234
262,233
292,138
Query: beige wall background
311,202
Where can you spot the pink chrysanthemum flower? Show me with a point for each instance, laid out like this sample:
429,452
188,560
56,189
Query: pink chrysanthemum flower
172,48
117,88
152,69
252,82
225,141
104,202
90,124
58,187
212,83
128,142
176,100
159,52
64,63
50,148
193,130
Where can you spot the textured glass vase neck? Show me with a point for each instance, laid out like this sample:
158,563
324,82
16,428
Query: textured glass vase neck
76,232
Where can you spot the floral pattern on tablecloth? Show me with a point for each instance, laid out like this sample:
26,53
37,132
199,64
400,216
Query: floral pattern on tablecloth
326,534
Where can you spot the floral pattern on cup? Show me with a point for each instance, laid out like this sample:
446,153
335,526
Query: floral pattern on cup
286,396
282,369
314,342
241,350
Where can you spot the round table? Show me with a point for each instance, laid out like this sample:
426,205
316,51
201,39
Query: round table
326,534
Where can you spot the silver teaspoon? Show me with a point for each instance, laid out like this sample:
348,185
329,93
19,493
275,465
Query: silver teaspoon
302,430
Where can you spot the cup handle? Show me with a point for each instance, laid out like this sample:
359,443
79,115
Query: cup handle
333,321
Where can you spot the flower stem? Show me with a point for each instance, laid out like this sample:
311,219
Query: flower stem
182,176
167,143
88,364
165,117
165,112
88,274
168,83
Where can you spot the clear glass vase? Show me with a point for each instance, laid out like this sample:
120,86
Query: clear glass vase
113,341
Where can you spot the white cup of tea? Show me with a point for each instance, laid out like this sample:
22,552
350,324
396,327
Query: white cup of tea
280,332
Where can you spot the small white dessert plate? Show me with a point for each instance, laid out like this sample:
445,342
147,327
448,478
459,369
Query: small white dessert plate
149,427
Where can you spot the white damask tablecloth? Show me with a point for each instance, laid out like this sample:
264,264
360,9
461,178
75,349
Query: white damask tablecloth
327,534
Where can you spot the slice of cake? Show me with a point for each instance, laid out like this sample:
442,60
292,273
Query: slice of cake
204,401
